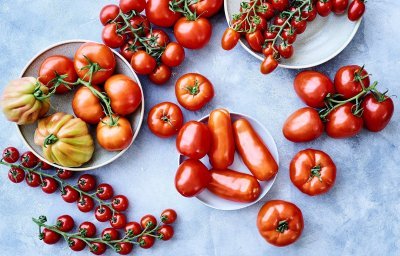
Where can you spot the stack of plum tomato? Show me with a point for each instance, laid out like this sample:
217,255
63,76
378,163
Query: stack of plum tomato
218,139
271,27
150,50
341,108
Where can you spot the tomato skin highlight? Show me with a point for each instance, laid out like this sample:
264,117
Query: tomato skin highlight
342,123
230,39
377,115
193,34
191,178
255,154
194,140
255,40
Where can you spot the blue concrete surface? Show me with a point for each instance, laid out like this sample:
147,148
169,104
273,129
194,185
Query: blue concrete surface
360,216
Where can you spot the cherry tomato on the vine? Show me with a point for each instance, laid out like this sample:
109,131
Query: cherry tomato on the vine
193,34
16,175
98,248
103,213
299,25
129,48
148,221
110,234
44,165
69,194
165,119
158,38
266,10
33,179
49,236
118,220
173,55
142,25
159,13
160,75
309,13
49,185
146,241
120,203
65,223
377,111
343,123
194,140
289,35
350,80
303,125
104,191
109,13
285,50
255,40
132,5
85,203
64,174
76,244
111,37
29,160
280,5
87,106
168,216
87,229
133,229
87,182
10,155
124,248
143,63
165,232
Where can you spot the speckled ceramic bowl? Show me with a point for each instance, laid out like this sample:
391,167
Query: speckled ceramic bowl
213,201
62,103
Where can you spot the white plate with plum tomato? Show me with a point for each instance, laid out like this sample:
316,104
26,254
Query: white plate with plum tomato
213,201
63,103
324,38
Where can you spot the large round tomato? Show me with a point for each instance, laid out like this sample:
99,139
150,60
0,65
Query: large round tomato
303,125
342,123
173,55
87,106
124,93
193,91
280,223
312,87
377,112
313,172
191,178
165,119
158,12
193,34
143,63
193,140
97,56
347,80
57,66
206,8
114,136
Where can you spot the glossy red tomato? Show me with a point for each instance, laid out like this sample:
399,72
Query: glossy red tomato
111,37
173,55
312,88
349,80
280,223
76,244
165,232
286,50
116,137
193,140
143,63
109,13
132,5
49,185
146,241
120,203
160,75
303,125
158,38
356,10
118,220
87,229
10,155
45,165
165,119
103,213
110,234
268,65
85,203
230,39
168,216
377,112
56,66
255,40
339,6
299,25
129,48
65,223
98,248
105,191
124,248
193,34
148,221
33,179
289,35
159,14
309,13
342,123
133,229
87,182
29,160
87,106
191,178
64,174
206,8
141,24
324,7
266,10
16,175
69,194
280,5
49,236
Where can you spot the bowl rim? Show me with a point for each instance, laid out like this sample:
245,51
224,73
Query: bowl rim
333,55
135,132
243,205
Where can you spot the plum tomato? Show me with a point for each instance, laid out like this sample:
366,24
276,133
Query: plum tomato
193,34
324,7
377,111
339,6
356,10
87,106
230,39
268,65
173,55
165,119
114,135
255,40
191,178
303,125
350,80
194,140
343,123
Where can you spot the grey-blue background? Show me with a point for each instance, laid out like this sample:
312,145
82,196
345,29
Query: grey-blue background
360,216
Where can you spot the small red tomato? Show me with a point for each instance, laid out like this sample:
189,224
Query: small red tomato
29,160
87,229
118,220
16,175
343,123
143,63
165,232
129,48
44,165
268,65
270,34
356,10
133,229
339,6
350,80
285,50
109,13
299,25
194,140
280,5
76,244
148,222
191,178
103,213
230,39
111,37
279,20
109,234
173,55
158,38
69,194
49,236
65,223
105,191
165,119
289,35
168,216
10,155
266,10
141,24
64,174
160,75
255,40
85,203
87,182
310,13
98,248
124,248
49,185
33,179
146,241
324,7
132,5
120,203
377,111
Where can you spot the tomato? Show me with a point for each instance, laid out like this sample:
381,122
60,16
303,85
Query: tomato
45,166
279,20
96,53
324,7
160,75
193,91
285,50
356,10
270,34
193,140
303,125
16,175
255,40
339,6
165,232
165,119
124,93
191,178
280,223
234,186
104,191
87,106
146,241
222,150
269,49
289,35
109,13
173,55
118,220
266,10
313,87
85,203
159,13
98,248
10,155
124,248
56,66
109,234
158,38
115,137
193,34
111,37
377,112
143,63
103,213
76,244
49,236
141,24
33,179
342,123
65,223
69,194
349,80
129,48
133,229
280,5
259,23
299,25
132,5
268,65
64,174
87,182
309,13
148,221
255,154
206,8
229,39
120,203
49,185
29,160
87,229
168,216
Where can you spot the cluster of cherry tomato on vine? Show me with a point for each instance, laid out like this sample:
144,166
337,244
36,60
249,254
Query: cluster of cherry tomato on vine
150,51
271,26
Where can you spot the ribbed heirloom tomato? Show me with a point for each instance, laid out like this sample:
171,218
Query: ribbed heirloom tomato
159,14
191,178
193,140
165,119
303,125
87,106
193,34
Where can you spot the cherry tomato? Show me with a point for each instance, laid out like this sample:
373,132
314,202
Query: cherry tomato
229,39
142,25
324,7
313,172
98,248
56,66
285,50
64,174
266,10
109,13
10,155
234,186
143,63
168,216
29,160
104,191
377,111
148,221
49,185
289,35
118,220
309,13
339,6
193,140
65,223
44,165
33,179
299,25
349,80
255,40
76,244
206,8
342,123
49,236
87,182
159,13
161,74
69,194
120,203
158,38
173,55
109,234
268,65
133,229
313,87
87,106
124,248
303,125
129,48
270,34
255,154
96,53
191,178
16,175
280,5
165,232
193,91
132,5
146,241
193,34
85,203
165,119
279,20
116,137
356,10
280,223
111,37
103,213
87,229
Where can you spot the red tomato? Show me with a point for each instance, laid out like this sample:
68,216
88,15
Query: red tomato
280,5
33,179
76,244
280,223
141,24
193,34
285,50
57,66
87,229
87,182
64,174
165,119
105,191
103,213
49,236
268,65
266,10
193,140
124,248
303,125
191,178
279,20
65,223
173,55
377,112
159,14
49,185
69,194
143,63
342,123
133,229
29,160
349,80
10,155
85,203
299,25
160,75
168,216
270,34
165,232
289,35
312,88
98,248
313,172
87,106
356,10
111,37
120,203
109,234
45,166
158,38
132,5
129,48
234,186
324,7
109,13
206,8
309,13
339,6
255,40
146,241
148,221
230,39
118,220
114,137
16,175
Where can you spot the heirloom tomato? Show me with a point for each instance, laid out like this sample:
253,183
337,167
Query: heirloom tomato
193,34
87,106
159,13
193,140
377,111
114,135
165,119
350,80
206,8
343,123
191,178
173,55
303,125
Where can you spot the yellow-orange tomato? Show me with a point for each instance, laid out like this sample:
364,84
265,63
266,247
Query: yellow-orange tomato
87,106
114,137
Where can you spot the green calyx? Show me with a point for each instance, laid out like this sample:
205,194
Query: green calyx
49,140
283,225
315,172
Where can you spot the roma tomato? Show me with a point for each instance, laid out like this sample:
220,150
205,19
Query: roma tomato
173,55
255,154
255,40
87,106
132,5
191,178
109,13
377,111
280,5
160,75
342,123
143,63
222,150
229,39
206,8
159,14
303,125
280,223
234,186
95,53
339,6
349,80
324,7
165,119
313,172
268,65
193,91
111,37
54,67
312,88
193,140
114,137
193,34
356,10
124,93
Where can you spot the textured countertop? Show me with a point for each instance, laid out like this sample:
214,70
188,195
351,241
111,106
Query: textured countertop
360,216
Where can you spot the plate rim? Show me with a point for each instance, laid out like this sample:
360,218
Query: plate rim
79,169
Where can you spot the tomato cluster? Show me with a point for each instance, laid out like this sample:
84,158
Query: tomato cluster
341,108
218,139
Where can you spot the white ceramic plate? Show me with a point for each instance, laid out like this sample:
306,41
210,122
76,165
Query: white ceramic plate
62,103
213,201
323,39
